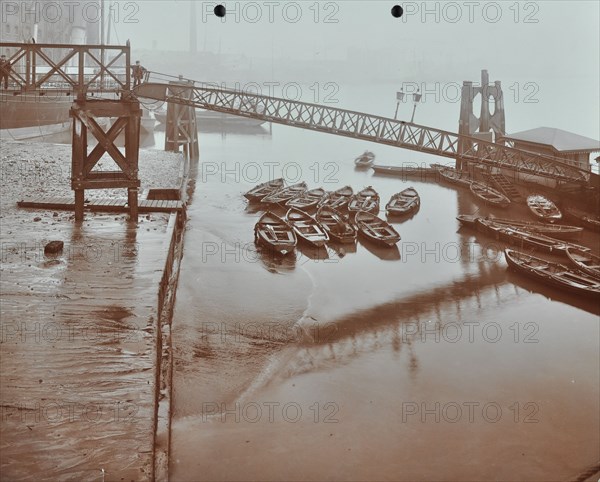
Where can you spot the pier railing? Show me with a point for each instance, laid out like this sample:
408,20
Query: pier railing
79,69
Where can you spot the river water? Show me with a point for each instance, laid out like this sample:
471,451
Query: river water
429,362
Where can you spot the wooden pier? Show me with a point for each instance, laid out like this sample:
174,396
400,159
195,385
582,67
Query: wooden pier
107,205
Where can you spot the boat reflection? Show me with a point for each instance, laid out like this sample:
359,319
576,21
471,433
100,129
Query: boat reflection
312,253
555,294
385,254
275,262
342,249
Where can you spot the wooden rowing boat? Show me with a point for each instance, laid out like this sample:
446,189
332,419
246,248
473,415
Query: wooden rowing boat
553,274
588,221
365,160
274,233
543,208
376,229
338,199
557,231
306,227
489,195
262,190
403,203
468,220
285,194
308,200
336,224
525,238
584,261
365,200
451,175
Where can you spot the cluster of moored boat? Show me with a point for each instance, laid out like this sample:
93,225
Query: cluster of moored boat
540,206
339,216
582,276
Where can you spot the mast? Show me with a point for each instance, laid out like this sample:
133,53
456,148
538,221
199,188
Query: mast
109,28
193,28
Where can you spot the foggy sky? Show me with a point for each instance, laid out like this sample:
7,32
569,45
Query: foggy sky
564,41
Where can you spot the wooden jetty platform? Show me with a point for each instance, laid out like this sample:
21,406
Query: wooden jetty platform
113,205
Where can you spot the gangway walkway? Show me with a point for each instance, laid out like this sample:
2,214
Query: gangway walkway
358,125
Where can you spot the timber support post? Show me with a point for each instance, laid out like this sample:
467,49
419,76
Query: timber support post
85,114
182,129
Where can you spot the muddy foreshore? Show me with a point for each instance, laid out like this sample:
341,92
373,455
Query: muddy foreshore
78,331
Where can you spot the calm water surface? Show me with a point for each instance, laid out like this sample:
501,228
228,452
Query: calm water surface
426,362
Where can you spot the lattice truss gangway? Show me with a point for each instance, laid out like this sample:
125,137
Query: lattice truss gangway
99,79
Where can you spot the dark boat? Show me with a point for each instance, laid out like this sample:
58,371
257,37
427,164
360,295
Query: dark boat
553,274
489,195
265,189
274,233
588,221
336,224
308,200
451,175
584,261
307,227
365,200
468,220
557,231
403,203
543,208
376,229
285,194
367,159
338,199
525,238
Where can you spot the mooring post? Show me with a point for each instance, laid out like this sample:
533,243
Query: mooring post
182,129
132,201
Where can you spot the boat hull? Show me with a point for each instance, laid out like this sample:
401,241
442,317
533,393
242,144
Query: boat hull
555,274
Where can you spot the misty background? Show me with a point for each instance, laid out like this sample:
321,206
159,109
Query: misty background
553,47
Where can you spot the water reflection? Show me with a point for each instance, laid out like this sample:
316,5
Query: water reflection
384,253
275,262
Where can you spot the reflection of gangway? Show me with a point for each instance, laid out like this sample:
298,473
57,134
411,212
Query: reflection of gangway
358,125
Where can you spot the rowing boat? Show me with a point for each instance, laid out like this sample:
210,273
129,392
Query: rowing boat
337,199
451,175
376,229
553,274
468,220
365,160
274,233
285,194
262,190
525,238
489,195
308,199
584,261
306,227
543,208
403,203
557,231
336,224
589,221
365,200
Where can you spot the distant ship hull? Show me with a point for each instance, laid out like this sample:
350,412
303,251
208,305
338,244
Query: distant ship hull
33,110
210,118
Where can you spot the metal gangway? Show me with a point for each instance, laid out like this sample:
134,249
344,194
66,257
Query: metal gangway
357,125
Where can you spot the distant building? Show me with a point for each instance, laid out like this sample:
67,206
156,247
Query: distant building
64,23
571,148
